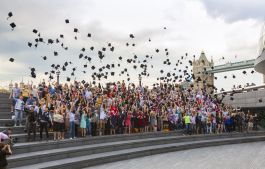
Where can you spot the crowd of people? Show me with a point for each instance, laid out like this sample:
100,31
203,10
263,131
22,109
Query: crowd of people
83,110
80,110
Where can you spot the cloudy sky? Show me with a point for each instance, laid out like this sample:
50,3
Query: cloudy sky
227,28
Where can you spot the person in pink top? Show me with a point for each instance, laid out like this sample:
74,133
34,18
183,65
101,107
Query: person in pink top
128,123
3,137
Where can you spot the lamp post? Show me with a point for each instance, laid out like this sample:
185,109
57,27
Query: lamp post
58,75
140,80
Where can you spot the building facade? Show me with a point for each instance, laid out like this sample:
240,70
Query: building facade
203,80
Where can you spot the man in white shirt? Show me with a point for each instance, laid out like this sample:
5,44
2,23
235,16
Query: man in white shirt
14,94
19,108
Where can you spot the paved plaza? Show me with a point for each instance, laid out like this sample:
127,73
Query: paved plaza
239,156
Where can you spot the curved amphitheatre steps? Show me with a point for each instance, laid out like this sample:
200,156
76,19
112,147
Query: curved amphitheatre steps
93,151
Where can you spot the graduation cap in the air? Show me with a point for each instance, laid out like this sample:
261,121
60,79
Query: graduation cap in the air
50,41
120,58
13,25
112,73
127,44
68,79
244,72
29,44
234,76
55,53
93,67
89,35
252,71
66,20
33,74
11,59
157,50
44,58
46,73
165,27
75,30
10,14
81,55
40,39
112,49
35,31
131,36
260,100
91,48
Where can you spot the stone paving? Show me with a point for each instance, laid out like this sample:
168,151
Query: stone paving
239,156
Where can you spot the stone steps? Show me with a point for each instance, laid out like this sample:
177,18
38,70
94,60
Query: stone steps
75,157
15,130
22,137
37,146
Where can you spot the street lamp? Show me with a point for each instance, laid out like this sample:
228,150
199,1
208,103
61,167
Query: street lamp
58,75
140,80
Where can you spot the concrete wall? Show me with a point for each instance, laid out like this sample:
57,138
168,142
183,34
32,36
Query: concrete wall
248,99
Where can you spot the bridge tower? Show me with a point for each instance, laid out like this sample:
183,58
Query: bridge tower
203,80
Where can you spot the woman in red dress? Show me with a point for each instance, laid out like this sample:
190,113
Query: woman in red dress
128,123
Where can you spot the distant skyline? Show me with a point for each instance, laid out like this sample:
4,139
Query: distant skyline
228,29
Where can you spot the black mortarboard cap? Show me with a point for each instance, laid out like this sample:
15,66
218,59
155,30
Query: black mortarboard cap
44,58
50,41
35,31
13,25
131,36
89,35
66,20
10,14
11,59
68,79
75,30
112,73
29,44
55,53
